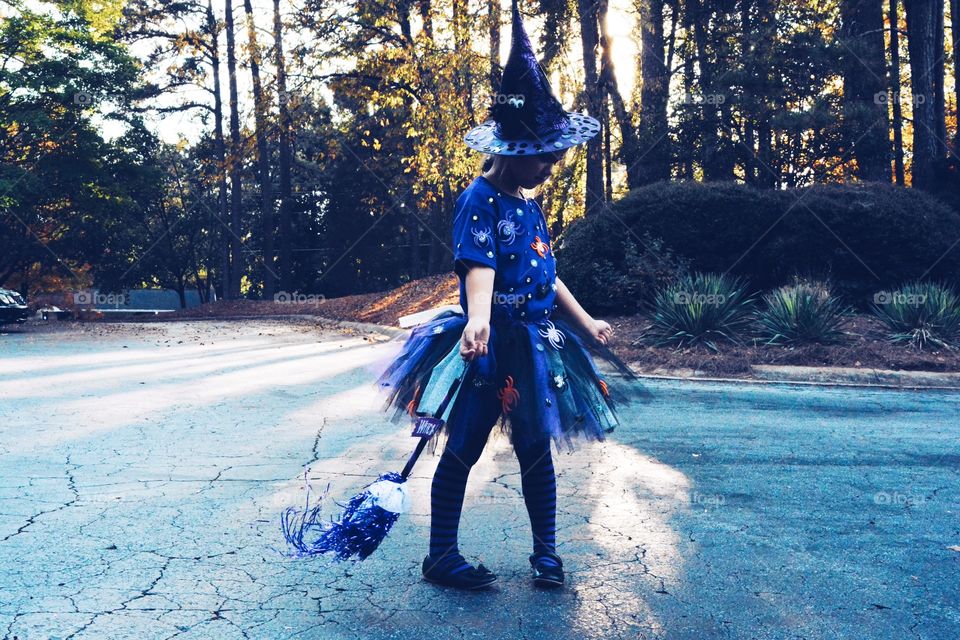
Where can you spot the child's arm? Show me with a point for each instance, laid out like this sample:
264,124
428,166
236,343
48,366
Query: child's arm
479,289
599,329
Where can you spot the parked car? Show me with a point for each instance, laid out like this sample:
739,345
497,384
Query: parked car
13,308
53,312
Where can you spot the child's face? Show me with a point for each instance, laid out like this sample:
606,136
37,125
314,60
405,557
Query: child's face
532,171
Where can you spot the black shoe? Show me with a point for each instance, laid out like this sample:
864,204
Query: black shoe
472,578
546,574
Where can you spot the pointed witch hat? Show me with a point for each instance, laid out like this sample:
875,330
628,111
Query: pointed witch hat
525,117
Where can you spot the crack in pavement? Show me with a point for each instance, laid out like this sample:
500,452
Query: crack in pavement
71,484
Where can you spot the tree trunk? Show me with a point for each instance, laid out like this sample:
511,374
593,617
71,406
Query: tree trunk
895,93
413,222
403,17
203,286
567,179
863,62
671,44
749,95
921,41
709,126
220,152
433,254
629,144
449,200
607,154
463,78
286,233
767,175
263,156
235,158
606,79
687,140
716,156
955,33
182,291
556,30
629,152
939,95
426,11
654,164
589,35
493,15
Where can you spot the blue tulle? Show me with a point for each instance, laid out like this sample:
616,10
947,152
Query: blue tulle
559,392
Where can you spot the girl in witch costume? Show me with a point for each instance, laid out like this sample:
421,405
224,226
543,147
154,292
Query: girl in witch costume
520,348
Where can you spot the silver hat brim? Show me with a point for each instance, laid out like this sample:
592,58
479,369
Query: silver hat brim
484,138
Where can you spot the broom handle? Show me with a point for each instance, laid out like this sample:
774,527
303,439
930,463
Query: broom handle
413,458
423,440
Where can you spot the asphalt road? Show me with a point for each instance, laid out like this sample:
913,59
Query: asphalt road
143,469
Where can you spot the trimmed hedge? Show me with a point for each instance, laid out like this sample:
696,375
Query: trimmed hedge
611,271
862,238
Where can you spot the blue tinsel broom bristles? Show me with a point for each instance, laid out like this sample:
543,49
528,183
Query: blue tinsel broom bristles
296,523
358,532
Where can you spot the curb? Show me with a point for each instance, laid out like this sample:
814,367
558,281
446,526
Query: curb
868,377
828,377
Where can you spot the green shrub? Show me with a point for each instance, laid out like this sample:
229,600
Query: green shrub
701,308
611,270
855,236
803,312
921,314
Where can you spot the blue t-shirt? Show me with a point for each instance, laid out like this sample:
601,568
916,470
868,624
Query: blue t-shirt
509,234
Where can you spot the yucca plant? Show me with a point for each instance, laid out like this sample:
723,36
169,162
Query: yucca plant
699,308
803,312
921,314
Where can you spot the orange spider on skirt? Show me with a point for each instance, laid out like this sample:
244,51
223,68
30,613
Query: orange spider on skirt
604,390
509,396
412,405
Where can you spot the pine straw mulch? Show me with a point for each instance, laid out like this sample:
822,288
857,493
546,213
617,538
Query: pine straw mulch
383,307
865,347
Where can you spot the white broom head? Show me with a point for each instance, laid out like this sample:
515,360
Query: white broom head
390,496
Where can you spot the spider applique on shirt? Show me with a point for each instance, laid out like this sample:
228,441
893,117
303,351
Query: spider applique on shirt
487,226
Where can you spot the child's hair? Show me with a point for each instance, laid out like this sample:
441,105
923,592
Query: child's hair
487,163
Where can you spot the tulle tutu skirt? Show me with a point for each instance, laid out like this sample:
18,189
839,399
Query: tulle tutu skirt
537,381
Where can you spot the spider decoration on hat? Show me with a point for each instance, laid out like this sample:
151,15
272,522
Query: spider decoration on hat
553,335
481,236
509,229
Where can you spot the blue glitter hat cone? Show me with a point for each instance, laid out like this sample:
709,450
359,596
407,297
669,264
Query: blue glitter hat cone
525,117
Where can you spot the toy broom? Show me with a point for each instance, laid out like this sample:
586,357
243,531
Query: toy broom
369,515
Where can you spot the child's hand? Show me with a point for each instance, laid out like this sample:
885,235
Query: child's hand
473,342
600,330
